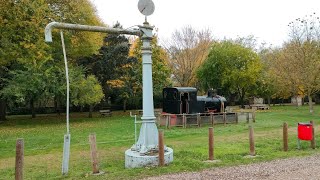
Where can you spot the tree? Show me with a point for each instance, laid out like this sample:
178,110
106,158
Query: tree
20,45
128,84
232,67
303,51
78,43
27,85
107,64
187,50
87,92
160,69
284,72
266,85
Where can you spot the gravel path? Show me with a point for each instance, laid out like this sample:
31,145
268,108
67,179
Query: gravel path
304,168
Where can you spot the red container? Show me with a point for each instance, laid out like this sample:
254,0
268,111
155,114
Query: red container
173,119
305,131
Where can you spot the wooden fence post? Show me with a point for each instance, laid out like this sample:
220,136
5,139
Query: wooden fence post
169,120
254,115
94,154
211,144
313,141
224,116
251,139
199,119
19,159
212,119
161,148
184,120
237,120
285,136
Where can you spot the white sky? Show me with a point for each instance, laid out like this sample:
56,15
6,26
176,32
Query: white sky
267,20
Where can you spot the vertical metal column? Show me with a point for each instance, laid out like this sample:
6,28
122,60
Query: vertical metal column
148,139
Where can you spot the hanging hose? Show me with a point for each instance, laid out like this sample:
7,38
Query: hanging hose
67,79
66,144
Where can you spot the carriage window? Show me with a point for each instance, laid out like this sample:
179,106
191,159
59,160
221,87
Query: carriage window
184,96
175,95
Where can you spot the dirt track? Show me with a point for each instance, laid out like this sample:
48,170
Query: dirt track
302,168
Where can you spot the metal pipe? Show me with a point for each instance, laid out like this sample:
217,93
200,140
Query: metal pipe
67,80
50,26
135,129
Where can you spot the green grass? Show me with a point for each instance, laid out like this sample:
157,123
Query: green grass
43,138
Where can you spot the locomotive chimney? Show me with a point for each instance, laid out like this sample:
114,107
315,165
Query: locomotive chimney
212,92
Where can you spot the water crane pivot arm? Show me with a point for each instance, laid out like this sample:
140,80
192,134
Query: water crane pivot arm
50,26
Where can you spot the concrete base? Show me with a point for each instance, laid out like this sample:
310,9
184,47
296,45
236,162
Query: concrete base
133,159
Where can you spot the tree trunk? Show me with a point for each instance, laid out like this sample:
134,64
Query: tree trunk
3,107
242,101
33,112
124,105
57,105
310,103
90,111
269,101
242,98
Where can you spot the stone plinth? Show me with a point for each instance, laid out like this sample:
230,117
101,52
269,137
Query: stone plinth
133,159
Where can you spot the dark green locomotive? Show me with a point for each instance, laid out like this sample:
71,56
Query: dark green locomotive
179,100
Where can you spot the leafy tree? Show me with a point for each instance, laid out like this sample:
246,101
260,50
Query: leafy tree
27,85
128,84
160,69
187,50
108,64
20,45
266,86
78,43
232,67
87,92
303,51
283,73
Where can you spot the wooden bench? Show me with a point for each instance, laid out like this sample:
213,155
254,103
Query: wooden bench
260,106
106,112
263,107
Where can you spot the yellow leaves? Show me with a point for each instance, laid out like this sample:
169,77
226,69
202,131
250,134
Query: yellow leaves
126,66
301,90
116,83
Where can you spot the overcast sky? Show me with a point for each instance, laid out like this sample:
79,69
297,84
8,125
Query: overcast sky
267,20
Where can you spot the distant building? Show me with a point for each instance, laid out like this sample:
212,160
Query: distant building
297,100
255,100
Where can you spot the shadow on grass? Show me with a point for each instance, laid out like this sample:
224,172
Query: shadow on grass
55,119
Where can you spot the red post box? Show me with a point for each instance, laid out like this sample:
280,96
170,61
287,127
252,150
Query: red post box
305,131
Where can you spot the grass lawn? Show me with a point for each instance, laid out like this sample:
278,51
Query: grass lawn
43,137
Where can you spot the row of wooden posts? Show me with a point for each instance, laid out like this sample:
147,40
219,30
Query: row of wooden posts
199,117
94,154
251,140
